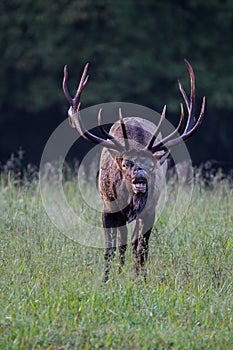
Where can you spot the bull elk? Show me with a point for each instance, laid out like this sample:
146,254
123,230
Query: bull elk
132,170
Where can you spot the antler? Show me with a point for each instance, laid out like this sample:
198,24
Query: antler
75,102
124,132
106,134
157,130
191,126
75,116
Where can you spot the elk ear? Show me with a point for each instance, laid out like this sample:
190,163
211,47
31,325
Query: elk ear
118,161
116,157
161,156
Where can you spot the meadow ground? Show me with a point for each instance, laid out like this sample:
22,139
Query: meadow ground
52,296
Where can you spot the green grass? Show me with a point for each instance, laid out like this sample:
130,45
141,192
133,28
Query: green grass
52,296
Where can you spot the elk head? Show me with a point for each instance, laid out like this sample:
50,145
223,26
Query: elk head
136,168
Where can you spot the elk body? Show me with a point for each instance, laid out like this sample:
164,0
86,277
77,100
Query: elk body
132,170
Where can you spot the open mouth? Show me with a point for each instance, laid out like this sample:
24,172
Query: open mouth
139,186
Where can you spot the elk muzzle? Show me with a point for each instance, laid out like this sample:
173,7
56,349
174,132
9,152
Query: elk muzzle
139,182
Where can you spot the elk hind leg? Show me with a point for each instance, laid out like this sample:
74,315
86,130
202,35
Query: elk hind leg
142,251
122,245
140,243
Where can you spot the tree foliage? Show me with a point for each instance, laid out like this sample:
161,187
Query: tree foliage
136,50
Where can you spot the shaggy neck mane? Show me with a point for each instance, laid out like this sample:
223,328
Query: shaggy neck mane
136,206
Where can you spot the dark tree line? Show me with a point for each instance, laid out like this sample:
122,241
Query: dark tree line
136,50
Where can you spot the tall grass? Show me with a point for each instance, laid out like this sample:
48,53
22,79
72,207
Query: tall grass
52,296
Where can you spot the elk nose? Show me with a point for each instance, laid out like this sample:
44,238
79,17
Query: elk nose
139,172
137,169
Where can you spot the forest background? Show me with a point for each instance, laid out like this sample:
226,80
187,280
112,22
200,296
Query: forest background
136,51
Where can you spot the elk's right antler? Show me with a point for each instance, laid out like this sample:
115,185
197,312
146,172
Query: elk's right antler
76,121
75,102
75,118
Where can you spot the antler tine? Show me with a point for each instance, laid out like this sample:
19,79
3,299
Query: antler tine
177,130
91,137
105,133
81,86
181,121
157,130
65,86
102,129
74,102
189,103
185,97
123,130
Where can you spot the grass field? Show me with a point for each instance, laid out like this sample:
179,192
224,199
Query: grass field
52,296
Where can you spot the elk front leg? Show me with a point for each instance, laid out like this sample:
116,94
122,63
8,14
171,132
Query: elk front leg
142,251
122,244
110,232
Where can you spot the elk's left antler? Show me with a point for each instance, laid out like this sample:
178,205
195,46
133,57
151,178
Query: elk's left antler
191,126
